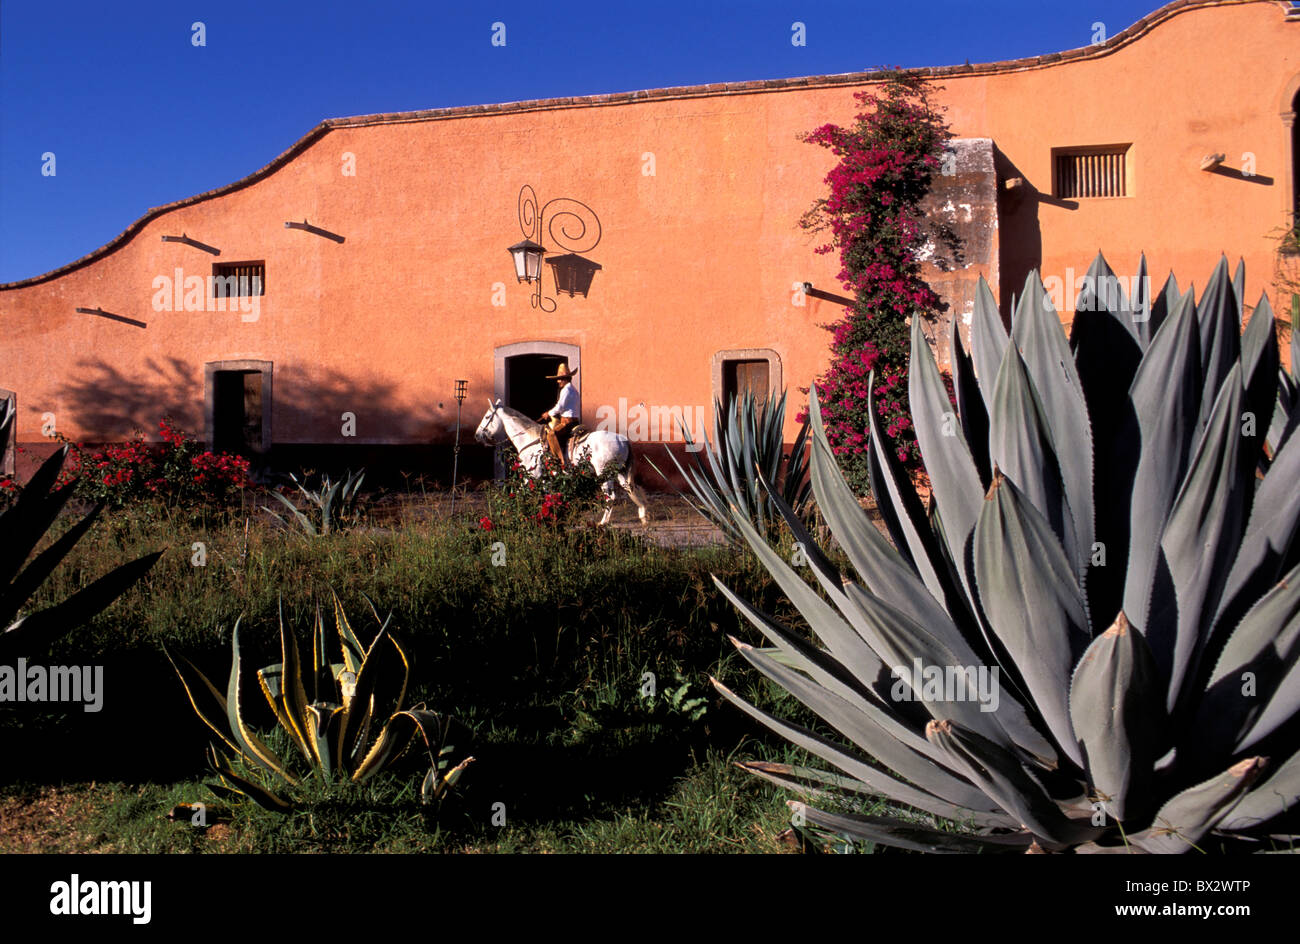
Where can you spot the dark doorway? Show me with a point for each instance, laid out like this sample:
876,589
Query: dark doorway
741,377
527,389
237,412
1295,164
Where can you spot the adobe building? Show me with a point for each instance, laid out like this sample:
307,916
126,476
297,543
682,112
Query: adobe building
365,270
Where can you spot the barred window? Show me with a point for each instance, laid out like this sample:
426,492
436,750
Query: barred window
1086,172
235,279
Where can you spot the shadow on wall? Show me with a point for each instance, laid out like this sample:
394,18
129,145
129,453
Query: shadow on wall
309,426
1020,237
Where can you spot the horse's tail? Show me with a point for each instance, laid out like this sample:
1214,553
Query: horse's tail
629,466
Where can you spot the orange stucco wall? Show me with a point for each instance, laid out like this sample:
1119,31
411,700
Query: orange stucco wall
698,257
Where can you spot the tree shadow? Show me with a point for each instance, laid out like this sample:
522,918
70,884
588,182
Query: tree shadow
328,421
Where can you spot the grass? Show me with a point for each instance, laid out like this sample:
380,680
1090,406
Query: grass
712,807
578,668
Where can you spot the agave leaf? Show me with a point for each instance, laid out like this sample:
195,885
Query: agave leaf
870,682
321,676
1239,289
903,643
1033,603
1259,369
208,703
999,774
1117,713
1278,794
919,543
1187,817
27,520
1164,399
329,492
258,794
1281,707
303,520
1103,292
249,744
1108,348
970,401
79,607
294,693
1220,320
904,835
830,627
1286,411
352,650
1273,531
270,678
874,781
1200,539
1140,306
14,595
431,728
817,558
1165,303
988,339
954,477
879,565
380,690
323,722
1022,447
874,733
392,742
1055,381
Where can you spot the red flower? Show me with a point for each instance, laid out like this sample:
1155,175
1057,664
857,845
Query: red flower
485,523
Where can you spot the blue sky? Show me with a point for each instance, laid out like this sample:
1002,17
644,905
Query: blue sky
137,115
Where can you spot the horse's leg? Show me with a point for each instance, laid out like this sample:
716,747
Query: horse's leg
608,489
628,481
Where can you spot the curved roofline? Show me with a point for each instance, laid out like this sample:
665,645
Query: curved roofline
1097,51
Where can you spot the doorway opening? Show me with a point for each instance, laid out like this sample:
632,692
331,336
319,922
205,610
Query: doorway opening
527,388
237,410
519,379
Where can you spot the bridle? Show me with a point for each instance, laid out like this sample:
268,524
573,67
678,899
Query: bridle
495,408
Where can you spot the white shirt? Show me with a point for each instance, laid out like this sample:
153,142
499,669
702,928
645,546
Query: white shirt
567,404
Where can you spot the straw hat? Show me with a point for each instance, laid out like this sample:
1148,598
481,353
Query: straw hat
563,372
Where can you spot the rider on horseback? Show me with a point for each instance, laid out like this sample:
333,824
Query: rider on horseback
563,415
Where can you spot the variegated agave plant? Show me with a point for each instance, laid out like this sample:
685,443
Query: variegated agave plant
345,718
1111,542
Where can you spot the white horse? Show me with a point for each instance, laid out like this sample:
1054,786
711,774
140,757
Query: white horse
602,448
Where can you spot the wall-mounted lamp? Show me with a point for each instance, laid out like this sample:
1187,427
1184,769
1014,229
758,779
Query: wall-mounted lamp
182,238
1211,161
579,232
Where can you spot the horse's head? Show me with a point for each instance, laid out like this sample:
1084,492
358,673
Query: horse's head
491,429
